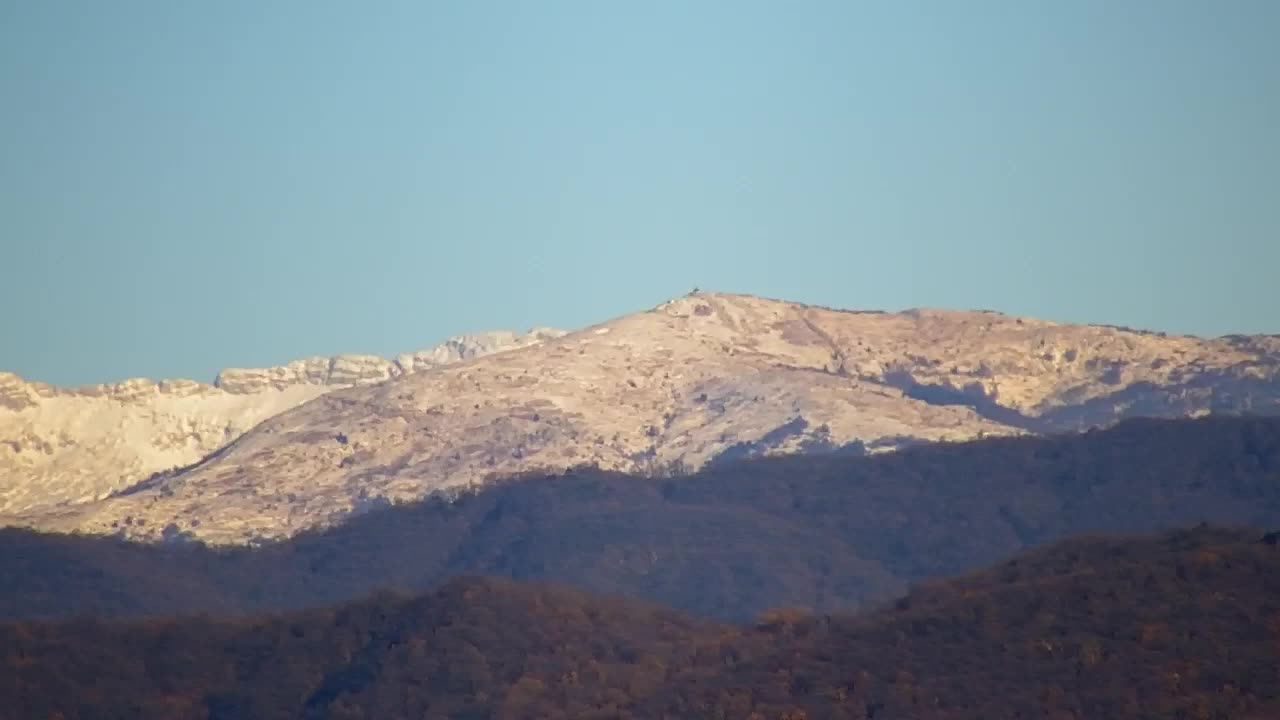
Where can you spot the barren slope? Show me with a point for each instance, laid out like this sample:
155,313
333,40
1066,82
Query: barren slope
76,445
697,378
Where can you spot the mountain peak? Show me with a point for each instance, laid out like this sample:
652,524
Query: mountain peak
699,379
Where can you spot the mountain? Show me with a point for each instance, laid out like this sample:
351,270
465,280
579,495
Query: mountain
1177,625
703,378
71,445
828,532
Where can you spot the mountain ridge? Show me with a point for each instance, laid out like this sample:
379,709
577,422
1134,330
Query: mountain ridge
74,444
698,378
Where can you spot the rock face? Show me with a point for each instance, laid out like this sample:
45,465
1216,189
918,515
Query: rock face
346,370
700,379
78,445
467,347
15,394
241,381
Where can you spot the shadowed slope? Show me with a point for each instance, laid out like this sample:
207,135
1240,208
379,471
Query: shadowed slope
1183,625
1180,625
823,532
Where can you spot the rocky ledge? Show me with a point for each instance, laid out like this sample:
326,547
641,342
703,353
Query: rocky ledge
356,370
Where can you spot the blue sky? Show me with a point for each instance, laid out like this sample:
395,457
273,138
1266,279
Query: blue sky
187,186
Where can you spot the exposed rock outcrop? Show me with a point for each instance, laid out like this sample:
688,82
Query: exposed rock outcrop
15,394
467,347
359,370
348,370
239,381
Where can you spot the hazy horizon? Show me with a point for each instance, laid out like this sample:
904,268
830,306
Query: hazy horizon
185,188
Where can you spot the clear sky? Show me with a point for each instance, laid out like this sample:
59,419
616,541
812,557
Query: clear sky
191,185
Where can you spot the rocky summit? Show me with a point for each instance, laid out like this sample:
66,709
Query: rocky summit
703,378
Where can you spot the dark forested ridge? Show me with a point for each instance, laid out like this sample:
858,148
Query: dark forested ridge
828,532
1184,624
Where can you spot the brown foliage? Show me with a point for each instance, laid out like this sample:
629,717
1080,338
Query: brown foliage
1181,625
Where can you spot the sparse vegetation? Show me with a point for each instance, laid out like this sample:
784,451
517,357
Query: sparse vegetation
829,532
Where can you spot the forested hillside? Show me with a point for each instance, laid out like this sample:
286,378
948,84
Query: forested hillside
1182,625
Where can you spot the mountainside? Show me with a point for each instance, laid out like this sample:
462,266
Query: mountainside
702,378
1183,625
61,445
826,532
